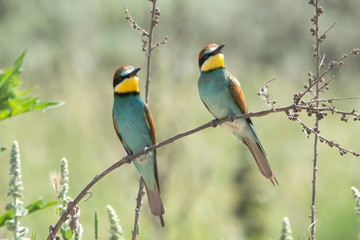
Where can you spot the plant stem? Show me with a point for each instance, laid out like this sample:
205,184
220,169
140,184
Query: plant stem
147,85
147,97
141,193
316,138
16,224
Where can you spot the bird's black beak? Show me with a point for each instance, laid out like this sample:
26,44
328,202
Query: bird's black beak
217,50
135,71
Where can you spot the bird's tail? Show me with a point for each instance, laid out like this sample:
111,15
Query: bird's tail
260,159
157,207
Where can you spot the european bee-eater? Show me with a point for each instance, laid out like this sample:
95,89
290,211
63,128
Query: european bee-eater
222,95
135,128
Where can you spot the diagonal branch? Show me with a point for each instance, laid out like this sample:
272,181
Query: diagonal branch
127,159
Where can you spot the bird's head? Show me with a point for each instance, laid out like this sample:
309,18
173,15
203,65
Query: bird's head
211,57
125,80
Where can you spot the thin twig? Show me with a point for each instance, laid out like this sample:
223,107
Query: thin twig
329,28
148,66
331,109
164,41
326,84
318,11
329,100
134,25
332,65
139,197
148,52
322,139
265,95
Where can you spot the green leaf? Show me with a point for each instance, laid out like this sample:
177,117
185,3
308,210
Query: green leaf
45,105
66,233
5,217
39,204
12,100
33,235
32,207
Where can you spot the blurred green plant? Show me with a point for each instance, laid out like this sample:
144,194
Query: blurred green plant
12,100
15,189
33,235
71,227
286,233
356,194
96,227
15,209
116,232
79,233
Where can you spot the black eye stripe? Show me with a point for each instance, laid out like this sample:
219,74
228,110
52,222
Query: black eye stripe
203,59
116,81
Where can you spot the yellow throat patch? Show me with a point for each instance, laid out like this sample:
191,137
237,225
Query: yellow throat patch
213,62
128,85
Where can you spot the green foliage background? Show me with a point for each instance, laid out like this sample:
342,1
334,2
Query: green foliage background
210,184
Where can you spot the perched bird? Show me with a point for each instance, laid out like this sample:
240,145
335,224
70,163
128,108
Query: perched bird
135,128
222,96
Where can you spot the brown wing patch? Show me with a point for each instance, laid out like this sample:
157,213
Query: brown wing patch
238,94
206,106
116,128
151,125
150,122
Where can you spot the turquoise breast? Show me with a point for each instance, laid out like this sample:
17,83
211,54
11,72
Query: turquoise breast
215,93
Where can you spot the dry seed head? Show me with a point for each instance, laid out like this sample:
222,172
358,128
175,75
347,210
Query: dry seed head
313,32
55,181
333,63
319,10
344,118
